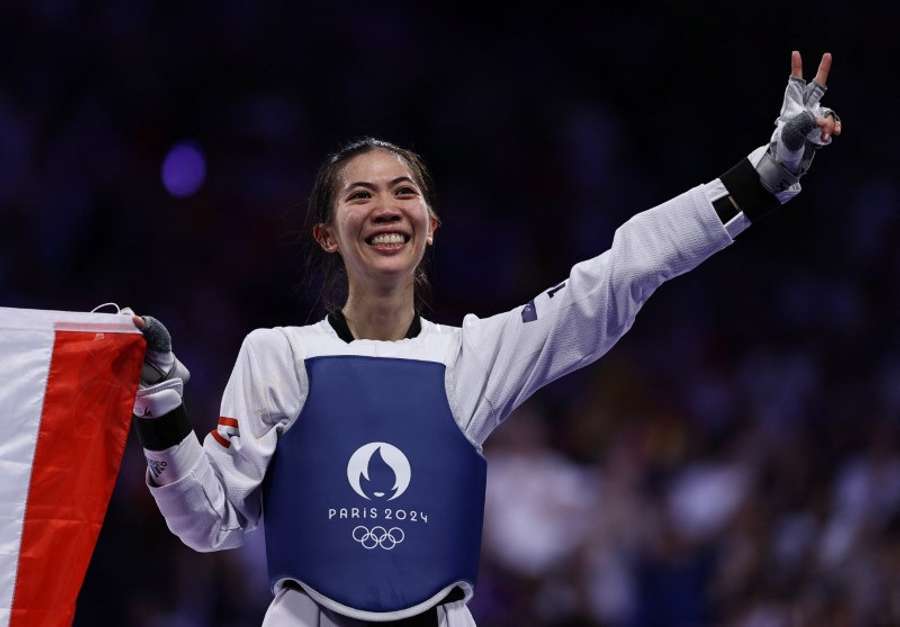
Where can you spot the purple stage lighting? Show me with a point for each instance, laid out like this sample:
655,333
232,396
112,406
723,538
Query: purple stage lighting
183,170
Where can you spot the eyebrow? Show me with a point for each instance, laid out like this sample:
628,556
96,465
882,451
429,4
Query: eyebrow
391,183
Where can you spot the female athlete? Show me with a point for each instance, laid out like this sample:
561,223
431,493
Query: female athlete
356,442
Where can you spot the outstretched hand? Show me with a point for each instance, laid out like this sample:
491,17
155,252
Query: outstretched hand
829,125
803,127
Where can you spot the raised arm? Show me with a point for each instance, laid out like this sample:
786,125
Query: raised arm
504,359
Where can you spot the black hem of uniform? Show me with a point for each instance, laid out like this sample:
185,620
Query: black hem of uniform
339,323
157,434
743,184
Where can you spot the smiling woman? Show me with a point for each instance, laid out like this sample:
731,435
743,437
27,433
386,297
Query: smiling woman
392,183
360,436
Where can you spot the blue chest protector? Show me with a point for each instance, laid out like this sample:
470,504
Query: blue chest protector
374,498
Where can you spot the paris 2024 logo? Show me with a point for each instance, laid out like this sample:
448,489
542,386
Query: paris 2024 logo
376,466
379,472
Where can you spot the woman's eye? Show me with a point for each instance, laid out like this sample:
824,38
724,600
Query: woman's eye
406,191
360,194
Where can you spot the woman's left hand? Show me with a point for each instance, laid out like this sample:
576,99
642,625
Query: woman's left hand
800,97
803,126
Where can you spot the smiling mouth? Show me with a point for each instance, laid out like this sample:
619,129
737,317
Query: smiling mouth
387,241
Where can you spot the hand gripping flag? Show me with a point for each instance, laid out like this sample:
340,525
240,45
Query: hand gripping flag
67,384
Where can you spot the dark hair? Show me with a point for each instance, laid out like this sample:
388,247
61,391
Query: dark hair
329,268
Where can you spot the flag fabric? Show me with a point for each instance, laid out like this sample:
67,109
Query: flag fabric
67,385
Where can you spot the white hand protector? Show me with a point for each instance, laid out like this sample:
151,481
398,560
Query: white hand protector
163,376
795,140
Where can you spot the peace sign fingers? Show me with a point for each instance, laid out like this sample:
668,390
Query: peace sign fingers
822,73
801,93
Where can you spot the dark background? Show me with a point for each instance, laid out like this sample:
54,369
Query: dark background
733,461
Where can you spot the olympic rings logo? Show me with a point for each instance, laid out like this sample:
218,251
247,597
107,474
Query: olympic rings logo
387,539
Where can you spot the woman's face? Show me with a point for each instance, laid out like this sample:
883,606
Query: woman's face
381,221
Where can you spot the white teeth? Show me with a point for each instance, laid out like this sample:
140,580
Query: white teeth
388,238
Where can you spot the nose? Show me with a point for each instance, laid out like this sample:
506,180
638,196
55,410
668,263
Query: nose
386,215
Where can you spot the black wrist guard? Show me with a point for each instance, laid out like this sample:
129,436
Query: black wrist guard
157,434
747,191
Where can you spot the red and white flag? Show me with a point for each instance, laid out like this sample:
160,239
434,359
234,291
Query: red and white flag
67,385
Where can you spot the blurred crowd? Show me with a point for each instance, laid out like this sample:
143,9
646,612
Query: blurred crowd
677,522
733,461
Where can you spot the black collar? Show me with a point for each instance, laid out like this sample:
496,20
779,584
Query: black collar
339,323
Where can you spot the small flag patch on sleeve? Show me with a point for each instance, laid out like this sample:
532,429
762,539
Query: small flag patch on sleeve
226,429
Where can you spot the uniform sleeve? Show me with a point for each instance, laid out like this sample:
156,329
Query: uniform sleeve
504,359
215,498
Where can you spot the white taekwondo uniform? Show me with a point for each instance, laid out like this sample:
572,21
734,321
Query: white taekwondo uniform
491,366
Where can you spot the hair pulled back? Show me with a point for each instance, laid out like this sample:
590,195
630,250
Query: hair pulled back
329,267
